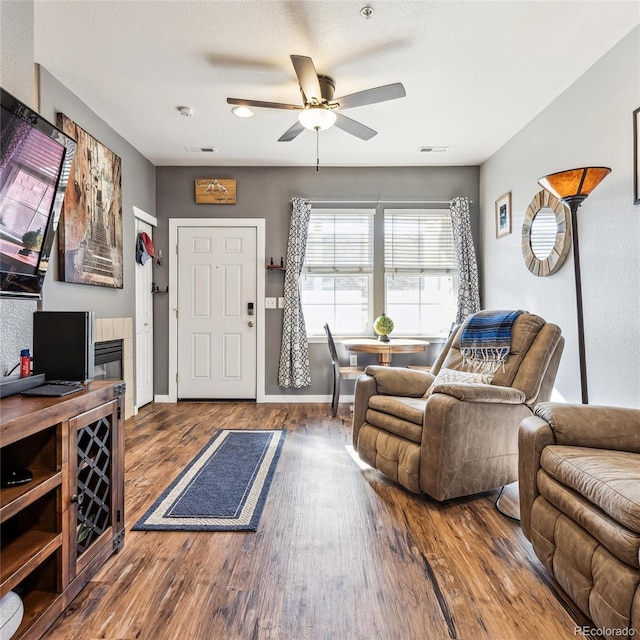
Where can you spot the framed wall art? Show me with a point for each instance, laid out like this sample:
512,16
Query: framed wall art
90,229
215,191
503,215
636,156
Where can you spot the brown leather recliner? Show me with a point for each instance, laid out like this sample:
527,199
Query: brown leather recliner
580,506
463,438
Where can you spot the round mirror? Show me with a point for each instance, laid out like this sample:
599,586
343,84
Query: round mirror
545,234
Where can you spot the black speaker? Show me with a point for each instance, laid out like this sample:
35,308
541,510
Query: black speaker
63,345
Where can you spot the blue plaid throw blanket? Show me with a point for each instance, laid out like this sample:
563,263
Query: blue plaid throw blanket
486,340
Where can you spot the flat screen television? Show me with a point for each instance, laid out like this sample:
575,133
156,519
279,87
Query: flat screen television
35,165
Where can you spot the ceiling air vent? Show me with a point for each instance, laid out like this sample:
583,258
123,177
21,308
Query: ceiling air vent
432,149
201,149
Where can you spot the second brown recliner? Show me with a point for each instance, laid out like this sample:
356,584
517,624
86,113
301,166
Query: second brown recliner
463,438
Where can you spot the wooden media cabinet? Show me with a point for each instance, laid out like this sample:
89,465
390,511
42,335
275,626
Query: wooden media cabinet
58,529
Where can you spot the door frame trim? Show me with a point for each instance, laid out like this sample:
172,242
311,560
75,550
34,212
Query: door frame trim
151,220
259,225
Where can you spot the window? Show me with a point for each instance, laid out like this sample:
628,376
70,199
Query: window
337,278
415,282
420,271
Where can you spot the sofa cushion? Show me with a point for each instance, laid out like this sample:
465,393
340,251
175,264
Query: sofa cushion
618,539
411,409
604,588
454,376
608,479
395,457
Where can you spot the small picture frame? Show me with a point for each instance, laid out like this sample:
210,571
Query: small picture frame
503,215
636,156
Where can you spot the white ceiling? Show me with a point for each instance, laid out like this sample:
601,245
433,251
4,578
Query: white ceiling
475,72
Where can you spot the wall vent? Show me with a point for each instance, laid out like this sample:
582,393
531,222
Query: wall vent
432,149
208,149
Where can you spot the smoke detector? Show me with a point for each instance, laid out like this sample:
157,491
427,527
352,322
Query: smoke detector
186,112
433,149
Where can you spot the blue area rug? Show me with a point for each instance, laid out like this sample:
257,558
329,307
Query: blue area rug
224,488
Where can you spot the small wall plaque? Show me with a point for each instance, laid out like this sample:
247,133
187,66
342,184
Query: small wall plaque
215,191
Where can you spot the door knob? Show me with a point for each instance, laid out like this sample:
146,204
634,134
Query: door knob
250,323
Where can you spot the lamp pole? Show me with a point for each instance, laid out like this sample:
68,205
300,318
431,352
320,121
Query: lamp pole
574,202
572,187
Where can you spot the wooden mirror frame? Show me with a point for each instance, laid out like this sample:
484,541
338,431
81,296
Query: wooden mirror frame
560,250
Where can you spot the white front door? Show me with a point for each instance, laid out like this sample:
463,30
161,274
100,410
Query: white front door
217,304
144,325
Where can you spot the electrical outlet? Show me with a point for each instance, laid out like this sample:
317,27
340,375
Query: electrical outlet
280,302
353,361
269,303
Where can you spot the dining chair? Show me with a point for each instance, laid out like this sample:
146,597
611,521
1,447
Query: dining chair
338,371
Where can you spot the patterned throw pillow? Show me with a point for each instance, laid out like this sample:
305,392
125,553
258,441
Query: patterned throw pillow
453,376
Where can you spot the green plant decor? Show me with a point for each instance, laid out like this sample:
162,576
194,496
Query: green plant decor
383,326
32,241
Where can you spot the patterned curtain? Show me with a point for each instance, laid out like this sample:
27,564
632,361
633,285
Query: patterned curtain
468,291
294,370
14,133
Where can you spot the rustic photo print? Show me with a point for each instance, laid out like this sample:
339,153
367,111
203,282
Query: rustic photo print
90,230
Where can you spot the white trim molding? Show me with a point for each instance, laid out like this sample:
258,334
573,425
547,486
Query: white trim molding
174,225
139,214
301,399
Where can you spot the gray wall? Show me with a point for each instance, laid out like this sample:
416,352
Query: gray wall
589,124
265,192
138,188
16,76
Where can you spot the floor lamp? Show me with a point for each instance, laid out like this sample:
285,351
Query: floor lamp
572,187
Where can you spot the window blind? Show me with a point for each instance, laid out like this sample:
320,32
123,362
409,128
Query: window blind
544,229
418,241
340,241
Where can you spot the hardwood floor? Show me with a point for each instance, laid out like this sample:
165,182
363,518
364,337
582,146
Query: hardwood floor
341,553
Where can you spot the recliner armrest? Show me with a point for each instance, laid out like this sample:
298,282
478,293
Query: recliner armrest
596,427
534,435
399,381
364,389
467,392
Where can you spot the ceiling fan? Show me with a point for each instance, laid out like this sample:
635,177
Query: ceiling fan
320,109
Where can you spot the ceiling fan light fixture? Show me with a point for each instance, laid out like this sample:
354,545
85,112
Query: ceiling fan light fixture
243,112
316,118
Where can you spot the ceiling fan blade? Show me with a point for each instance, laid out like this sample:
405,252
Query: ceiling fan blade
259,103
354,128
291,133
307,77
371,96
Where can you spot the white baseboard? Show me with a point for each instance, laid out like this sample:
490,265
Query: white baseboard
288,399
295,399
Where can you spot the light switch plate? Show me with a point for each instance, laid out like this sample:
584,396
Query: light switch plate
280,302
353,361
269,303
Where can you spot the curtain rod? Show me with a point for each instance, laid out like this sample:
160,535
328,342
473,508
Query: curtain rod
375,202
